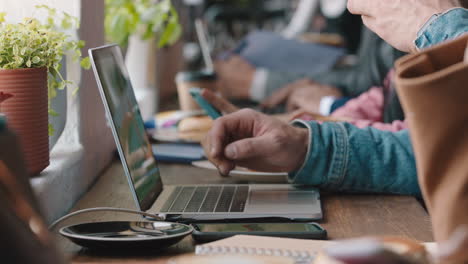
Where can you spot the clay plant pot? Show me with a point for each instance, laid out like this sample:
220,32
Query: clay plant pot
27,113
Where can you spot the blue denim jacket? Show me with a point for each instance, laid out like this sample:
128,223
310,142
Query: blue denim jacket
342,157
442,27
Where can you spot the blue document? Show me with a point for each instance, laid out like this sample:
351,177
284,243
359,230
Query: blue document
178,153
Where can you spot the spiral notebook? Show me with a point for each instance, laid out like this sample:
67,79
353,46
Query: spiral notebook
301,250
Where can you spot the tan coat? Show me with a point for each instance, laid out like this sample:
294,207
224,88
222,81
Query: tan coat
433,88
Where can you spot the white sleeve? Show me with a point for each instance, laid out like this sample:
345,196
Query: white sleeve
325,105
301,18
258,86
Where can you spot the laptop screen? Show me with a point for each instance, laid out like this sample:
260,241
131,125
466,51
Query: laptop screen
204,46
127,124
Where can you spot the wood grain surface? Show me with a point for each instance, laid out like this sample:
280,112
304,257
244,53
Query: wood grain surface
345,215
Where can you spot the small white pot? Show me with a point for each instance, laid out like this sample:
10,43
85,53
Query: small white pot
141,64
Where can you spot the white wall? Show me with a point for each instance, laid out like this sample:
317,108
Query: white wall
18,9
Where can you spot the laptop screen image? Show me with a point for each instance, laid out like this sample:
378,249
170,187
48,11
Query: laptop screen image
127,124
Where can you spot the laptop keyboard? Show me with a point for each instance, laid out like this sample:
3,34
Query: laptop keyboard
205,199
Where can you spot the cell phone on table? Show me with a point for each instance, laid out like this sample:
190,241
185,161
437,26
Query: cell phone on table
209,108
207,232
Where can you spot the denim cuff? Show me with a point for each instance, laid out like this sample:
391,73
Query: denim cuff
441,27
327,159
302,174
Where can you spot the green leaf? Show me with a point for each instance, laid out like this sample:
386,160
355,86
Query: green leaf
2,17
86,63
66,24
52,112
126,17
51,130
36,59
15,50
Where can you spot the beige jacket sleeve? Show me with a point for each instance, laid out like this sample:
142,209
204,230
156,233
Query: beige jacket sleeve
433,89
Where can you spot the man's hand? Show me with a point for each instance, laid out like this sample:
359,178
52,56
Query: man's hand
398,21
235,76
303,94
219,102
253,140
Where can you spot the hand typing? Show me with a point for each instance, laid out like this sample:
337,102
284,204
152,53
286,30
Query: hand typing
253,140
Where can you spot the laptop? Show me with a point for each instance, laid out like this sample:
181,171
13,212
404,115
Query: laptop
192,202
204,46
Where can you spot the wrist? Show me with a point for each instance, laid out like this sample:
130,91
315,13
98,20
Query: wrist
302,147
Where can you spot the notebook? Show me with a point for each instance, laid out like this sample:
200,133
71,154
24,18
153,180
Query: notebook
301,250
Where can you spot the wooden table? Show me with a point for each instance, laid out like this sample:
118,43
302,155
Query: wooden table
345,216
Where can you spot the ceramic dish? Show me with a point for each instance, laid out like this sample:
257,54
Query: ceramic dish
126,235
247,175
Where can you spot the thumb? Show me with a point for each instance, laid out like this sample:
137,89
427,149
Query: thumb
247,148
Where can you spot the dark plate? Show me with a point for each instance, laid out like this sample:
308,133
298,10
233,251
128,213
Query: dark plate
126,234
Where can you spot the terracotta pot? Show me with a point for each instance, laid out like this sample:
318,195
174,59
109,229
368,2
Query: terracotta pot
27,113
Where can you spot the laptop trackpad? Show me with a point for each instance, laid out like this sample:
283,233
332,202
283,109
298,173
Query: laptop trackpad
283,201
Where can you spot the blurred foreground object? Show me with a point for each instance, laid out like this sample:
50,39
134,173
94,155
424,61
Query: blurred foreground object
432,87
24,234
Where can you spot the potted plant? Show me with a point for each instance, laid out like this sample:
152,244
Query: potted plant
3,98
31,53
137,25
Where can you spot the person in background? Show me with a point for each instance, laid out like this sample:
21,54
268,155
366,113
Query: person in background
322,93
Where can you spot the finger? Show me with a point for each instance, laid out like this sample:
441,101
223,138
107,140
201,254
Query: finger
229,128
277,97
223,165
360,7
248,148
218,102
225,130
296,114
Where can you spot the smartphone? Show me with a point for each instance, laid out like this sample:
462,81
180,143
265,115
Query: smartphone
208,232
210,110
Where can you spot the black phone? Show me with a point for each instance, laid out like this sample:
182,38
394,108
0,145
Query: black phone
207,232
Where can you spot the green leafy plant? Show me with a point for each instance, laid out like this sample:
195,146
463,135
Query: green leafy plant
144,17
32,44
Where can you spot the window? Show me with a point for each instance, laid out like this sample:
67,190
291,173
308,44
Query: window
86,145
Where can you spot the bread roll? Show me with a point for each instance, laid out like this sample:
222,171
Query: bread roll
194,128
196,124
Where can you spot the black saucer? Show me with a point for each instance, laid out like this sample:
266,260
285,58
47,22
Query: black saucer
126,235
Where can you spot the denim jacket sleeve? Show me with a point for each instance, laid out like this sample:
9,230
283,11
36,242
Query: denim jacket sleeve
342,157
442,27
